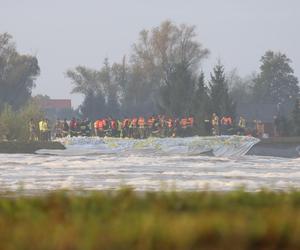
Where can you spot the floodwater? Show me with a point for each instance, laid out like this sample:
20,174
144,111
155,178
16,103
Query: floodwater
149,165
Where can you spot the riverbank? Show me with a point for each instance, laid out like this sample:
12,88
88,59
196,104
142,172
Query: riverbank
18,147
287,147
129,220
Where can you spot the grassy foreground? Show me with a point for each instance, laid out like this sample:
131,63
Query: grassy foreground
127,220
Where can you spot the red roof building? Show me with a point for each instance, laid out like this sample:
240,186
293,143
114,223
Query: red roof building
56,104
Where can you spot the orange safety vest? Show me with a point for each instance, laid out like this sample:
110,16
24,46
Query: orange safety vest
183,122
170,123
191,121
141,122
113,124
150,121
134,122
101,124
96,124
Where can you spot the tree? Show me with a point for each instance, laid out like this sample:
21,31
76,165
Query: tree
201,99
17,74
93,106
221,102
296,118
176,96
164,51
276,82
110,87
86,82
240,89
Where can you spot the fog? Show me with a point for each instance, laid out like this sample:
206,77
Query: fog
64,34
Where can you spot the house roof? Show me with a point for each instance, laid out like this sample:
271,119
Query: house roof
56,104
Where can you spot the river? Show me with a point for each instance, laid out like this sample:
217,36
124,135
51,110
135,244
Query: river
149,165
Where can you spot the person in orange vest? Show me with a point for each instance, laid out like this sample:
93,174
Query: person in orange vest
141,123
96,127
190,125
100,128
113,127
226,125
183,126
150,124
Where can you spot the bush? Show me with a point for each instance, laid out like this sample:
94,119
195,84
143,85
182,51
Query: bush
14,124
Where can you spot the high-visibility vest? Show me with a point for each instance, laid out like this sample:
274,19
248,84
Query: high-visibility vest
191,121
96,124
134,122
150,121
113,124
125,123
100,124
183,122
169,123
141,122
242,123
215,121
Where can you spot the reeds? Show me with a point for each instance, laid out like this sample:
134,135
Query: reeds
128,220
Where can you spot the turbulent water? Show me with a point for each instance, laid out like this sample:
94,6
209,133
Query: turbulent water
215,163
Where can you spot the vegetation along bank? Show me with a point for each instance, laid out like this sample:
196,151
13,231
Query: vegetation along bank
126,220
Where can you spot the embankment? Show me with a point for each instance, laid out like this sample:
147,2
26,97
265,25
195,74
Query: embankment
18,147
288,147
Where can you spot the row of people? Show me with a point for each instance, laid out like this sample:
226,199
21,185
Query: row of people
141,127
136,127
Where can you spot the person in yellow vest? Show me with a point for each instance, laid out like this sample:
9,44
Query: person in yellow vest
242,126
215,124
43,128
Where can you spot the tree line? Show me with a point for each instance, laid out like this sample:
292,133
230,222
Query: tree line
162,74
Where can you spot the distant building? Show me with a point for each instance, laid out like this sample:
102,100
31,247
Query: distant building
56,104
57,108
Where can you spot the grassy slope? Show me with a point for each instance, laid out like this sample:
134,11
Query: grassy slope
125,220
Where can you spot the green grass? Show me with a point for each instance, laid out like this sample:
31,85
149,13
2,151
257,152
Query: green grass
128,220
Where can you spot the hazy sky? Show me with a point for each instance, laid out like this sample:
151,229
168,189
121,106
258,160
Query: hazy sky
66,33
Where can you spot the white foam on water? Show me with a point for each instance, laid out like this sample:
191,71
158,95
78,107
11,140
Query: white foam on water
153,164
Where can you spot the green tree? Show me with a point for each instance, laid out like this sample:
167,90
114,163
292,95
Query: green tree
111,88
176,95
161,53
276,82
201,105
87,82
221,102
17,74
296,118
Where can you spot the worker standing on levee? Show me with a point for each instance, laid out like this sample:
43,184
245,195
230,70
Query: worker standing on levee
215,124
170,127
32,130
66,128
133,128
125,128
226,125
141,124
183,126
113,126
241,126
73,127
190,126
150,125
